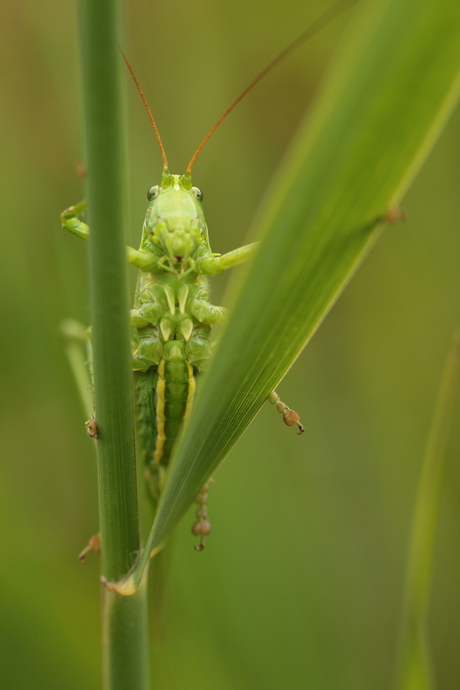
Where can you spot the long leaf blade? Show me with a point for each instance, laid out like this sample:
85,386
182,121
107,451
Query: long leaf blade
392,86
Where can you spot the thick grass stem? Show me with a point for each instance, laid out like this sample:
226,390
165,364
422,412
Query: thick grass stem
124,622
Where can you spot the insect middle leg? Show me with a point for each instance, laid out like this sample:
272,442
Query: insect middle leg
290,417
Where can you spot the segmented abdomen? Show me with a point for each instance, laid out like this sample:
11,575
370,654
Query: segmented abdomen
171,328
174,390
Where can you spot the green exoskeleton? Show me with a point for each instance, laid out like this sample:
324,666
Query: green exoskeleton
172,319
172,316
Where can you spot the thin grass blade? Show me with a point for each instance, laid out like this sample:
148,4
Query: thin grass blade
415,671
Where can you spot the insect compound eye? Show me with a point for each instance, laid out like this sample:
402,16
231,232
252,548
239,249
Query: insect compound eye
153,192
197,193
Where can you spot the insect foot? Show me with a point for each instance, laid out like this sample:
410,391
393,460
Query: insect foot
202,527
394,215
91,427
94,545
290,417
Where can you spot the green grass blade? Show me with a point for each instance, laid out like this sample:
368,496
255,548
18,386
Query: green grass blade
390,90
415,669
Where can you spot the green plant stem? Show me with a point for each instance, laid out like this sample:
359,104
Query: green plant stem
124,621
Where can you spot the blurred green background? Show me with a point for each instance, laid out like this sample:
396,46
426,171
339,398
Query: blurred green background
301,583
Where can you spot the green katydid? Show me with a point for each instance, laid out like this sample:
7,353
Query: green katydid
172,316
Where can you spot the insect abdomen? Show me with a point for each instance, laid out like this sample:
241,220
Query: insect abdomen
174,390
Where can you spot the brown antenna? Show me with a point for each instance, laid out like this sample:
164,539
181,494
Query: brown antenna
144,100
310,31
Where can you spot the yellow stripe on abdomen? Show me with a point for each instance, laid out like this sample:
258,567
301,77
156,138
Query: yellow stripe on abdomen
191,391
160,413
167,427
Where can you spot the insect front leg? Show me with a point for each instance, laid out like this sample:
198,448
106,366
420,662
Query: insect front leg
71,222
211,264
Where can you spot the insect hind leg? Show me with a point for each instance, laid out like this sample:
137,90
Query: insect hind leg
202,527
290,417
